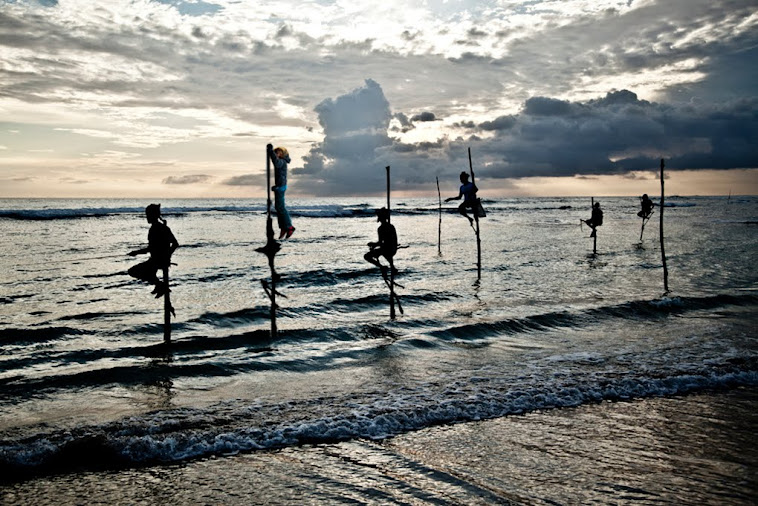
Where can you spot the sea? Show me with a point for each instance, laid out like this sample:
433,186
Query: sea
554,375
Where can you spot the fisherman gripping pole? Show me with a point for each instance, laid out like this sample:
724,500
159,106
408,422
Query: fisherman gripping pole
271,248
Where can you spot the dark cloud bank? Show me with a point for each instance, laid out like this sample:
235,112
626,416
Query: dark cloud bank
617,134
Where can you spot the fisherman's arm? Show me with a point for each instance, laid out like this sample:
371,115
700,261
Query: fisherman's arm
460,195
174,243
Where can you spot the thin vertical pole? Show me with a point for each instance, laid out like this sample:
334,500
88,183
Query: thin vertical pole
663,248
166,309
388,193
594,229
391,262
642,229
270,243
476,218
439,229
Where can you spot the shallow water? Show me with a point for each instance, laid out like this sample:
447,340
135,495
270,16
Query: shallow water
691,450
83,370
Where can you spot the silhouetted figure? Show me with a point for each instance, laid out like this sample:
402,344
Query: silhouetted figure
161,244
468,193
647,207
280,158
386,246
596,219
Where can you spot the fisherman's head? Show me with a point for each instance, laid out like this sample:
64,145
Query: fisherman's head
597,205
382,214
153,212
644,196
464,177
281,152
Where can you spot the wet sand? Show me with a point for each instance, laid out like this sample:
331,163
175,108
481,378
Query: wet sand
696,449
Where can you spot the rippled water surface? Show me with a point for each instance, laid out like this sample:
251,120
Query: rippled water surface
551,325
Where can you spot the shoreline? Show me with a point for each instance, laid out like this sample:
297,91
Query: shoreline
650,450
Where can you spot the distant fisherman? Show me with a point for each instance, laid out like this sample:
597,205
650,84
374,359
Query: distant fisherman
386,246
596,219
647,207
468,192
280,158
161,245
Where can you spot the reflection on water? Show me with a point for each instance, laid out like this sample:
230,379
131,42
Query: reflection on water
550,326
691,450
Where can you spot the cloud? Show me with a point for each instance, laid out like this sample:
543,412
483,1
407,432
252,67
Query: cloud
617,134
518,81
614,134
245,180
355,128
424,116
188,179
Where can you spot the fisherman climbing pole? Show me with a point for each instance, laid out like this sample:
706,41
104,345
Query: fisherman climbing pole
161,245
271,248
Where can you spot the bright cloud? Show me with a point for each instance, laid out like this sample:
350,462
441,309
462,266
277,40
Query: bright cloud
204,84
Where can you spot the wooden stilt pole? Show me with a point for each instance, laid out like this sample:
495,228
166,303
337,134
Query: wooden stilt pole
391,262
642,229
644,222
439,229
476,219
270,250
663,249
270,242
594,230
166,309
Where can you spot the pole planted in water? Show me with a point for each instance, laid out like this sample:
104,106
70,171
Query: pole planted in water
476,219
167,308
663,248
391,260
439,228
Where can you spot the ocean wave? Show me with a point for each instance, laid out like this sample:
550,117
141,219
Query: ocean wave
228,428
635,310
36,335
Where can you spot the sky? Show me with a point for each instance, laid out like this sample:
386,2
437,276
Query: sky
178,98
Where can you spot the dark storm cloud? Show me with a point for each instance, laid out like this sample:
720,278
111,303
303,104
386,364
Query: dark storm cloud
615,134
424,116
188,179
499,123
618,134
